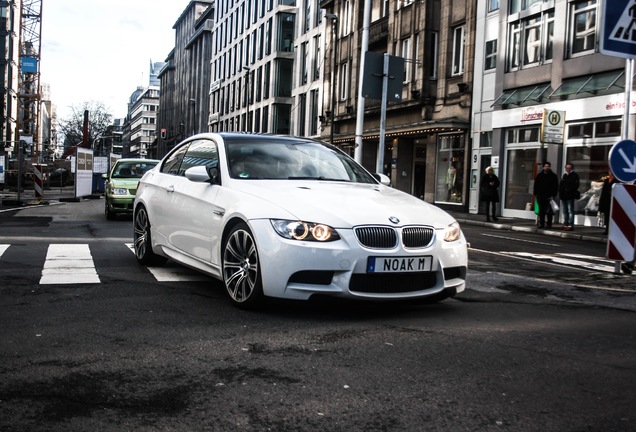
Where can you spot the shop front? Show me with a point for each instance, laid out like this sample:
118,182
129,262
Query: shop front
592,126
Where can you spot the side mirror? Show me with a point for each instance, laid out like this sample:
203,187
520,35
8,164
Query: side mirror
201,174
383,179
105,175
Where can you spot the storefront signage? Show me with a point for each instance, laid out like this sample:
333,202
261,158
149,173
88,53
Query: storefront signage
531,114
553,126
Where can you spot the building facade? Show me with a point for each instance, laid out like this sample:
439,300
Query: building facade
140,126
262,55
539,57
427,132
185,79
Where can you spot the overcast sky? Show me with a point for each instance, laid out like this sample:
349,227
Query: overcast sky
101,49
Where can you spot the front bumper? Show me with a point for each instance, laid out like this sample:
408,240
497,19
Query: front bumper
299,269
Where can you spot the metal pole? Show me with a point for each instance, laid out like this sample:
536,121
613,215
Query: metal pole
629,70
364,47
334,76
385,89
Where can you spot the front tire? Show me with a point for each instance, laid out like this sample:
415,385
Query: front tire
241,268
109,214
142,241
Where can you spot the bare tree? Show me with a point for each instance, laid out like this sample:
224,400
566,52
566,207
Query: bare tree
72,128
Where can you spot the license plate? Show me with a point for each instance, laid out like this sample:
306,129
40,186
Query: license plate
399,264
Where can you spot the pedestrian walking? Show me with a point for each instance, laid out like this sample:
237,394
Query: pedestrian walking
546,187
605,201
489,193
568,193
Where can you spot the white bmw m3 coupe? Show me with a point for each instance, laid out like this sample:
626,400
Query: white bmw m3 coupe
291,217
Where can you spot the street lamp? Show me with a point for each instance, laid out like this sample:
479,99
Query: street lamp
334,18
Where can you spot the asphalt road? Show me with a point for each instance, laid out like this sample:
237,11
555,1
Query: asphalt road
143,350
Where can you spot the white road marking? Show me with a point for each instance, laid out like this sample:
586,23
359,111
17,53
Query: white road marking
520,240
69,264
3,248
173,274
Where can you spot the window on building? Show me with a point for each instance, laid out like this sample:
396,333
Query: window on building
265,122
521,5
268,37
282,114
317,58
304,54
432,55
286,32
531,41
493,5
343,82
458,50
313,120
266,78
345,14
583,27
490,61
385,8
302,113
405,51
284,77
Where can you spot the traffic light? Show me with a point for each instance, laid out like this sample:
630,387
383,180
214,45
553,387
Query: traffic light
163,133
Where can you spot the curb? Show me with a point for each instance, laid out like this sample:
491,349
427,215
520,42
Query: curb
535,230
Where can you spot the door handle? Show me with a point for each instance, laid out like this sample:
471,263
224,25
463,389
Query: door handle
170,188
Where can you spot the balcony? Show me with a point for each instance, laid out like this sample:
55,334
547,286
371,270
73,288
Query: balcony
379,30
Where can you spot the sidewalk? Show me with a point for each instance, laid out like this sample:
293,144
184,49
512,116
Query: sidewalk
586,233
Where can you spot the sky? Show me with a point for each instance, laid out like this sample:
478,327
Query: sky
100,50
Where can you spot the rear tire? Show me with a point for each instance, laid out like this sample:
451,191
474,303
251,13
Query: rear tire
142,241
241,269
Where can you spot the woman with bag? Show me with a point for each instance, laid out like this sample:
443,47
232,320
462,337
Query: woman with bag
489,193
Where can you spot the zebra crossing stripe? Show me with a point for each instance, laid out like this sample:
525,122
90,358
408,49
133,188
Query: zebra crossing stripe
173,274
69,264
3,247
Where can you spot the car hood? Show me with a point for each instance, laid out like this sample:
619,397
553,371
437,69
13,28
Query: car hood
345,204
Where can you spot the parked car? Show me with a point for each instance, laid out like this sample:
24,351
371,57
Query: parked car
121,185
290,217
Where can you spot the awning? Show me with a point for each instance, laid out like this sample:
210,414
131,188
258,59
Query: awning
608,82
523,95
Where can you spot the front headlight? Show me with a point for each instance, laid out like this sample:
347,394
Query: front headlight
452,232
308,231
119,191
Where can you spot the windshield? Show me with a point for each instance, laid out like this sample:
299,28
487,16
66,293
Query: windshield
285,159
132,169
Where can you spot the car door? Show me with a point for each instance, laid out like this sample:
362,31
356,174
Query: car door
195,217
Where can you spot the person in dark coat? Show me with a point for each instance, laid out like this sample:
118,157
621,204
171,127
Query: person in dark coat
489,193
546,186
605,201
569,192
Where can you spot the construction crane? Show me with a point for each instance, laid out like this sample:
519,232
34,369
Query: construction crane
29,97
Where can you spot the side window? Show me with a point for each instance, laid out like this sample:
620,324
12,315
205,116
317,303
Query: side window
201,152
171,165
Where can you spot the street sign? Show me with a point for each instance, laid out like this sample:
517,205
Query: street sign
621,242
553,126
622,160
618,28
374,74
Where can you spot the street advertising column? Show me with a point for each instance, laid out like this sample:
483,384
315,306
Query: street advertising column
84,172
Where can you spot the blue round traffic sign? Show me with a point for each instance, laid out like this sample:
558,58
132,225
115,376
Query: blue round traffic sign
622,160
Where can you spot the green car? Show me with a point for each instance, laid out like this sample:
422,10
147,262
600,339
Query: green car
121,185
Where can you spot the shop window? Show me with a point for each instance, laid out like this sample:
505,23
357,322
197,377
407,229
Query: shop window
591,164
520,178
582,130
450,169
610,128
